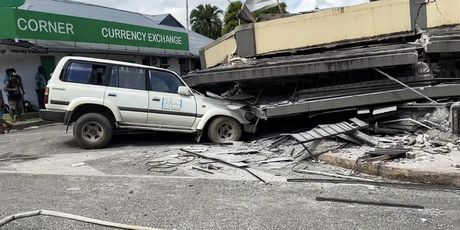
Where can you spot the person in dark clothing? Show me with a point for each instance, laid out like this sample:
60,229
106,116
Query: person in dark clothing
5,81
40,86
3,124
15,91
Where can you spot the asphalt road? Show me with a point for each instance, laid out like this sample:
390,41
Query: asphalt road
178,203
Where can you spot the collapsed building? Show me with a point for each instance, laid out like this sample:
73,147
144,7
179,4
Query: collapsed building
359,57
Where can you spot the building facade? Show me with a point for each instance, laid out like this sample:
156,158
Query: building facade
41,32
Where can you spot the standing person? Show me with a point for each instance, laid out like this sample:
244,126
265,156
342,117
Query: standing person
2,107
5,80
40,85
15,92
3,123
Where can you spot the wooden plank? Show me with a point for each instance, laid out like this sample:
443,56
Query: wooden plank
350,126
371,141
238,152
298,137
203,170
358,122
330,130
337,128
314,134
350,139
308,136
322,132
278,159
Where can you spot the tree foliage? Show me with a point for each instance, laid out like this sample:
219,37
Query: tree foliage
206,20
231,14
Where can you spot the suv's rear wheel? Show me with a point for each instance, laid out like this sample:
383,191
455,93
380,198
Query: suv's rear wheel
92,131
224,129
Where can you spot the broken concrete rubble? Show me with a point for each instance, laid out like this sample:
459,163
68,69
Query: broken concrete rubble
412,144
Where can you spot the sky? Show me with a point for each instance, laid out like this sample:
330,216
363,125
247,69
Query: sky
178,10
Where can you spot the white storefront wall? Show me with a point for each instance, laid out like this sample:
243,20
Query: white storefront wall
26,66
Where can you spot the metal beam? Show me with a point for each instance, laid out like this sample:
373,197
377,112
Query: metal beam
391,96
406,86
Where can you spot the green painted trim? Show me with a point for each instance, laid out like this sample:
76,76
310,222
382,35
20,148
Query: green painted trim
24,24
6,22
12,3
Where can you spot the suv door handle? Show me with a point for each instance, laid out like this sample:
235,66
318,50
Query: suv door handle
156,99
112,95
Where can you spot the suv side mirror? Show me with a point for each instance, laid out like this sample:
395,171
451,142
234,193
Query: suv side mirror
183,90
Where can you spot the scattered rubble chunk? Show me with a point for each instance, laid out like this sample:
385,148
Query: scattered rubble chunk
411,141
420,139
411,155
441,150
78,164
202,169
279,159
371,141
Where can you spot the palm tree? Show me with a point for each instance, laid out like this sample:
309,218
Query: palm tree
206,20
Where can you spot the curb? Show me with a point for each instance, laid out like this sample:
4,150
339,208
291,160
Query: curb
24,125
391,172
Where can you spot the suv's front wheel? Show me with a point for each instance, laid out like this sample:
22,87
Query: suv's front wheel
93,131
224,129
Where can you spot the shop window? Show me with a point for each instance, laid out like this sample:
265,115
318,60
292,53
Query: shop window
128,77
85,73
161,81
164,62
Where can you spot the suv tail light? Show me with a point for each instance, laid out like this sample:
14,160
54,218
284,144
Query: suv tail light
47,92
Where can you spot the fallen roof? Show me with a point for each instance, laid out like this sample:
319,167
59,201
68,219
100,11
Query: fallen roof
355,58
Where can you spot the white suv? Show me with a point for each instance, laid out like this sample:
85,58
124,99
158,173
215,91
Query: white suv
100,96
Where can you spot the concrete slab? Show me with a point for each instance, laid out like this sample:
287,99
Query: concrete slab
425,168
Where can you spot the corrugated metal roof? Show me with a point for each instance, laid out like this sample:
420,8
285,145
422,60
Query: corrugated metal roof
85,10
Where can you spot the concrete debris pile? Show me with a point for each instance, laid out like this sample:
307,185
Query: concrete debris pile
235,161
415,135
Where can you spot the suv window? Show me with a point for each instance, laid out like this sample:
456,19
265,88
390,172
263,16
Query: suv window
85,73
128,77
165,82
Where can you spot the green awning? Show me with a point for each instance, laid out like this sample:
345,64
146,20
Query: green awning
12,3
24,24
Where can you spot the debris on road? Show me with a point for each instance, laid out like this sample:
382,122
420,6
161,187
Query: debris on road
334,175
219,158
168,165
276,160
368,202
78,164
202,169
